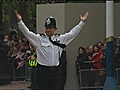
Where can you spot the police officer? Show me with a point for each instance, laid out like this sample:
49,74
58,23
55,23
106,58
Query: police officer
48,53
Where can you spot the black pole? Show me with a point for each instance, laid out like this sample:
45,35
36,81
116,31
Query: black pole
1,25
3,54
0,16
1,28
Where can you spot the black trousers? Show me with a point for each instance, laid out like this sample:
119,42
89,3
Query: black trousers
49,78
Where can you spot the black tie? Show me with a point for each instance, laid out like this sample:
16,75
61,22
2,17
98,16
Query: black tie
57,43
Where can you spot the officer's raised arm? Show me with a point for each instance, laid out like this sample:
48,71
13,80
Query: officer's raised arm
19,17
84,17
68,37
32,37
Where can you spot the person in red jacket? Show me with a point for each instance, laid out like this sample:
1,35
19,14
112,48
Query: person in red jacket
96,57
99,74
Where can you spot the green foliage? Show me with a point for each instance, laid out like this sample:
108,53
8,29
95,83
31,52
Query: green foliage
31,10
8,6
13,5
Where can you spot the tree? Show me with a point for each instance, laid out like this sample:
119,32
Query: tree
31,10
7,6
23,6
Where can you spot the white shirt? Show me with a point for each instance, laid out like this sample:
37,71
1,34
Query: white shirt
47,53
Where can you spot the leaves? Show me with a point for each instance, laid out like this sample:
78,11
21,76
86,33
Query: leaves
8,5
31,10
30,6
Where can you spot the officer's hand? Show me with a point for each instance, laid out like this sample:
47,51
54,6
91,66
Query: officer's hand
18,16
84,17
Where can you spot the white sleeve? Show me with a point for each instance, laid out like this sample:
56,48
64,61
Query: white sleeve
68,37
32,37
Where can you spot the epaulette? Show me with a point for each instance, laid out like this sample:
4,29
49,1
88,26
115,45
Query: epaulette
41,34
57,34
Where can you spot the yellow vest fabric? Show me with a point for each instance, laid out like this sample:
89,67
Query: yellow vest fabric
33,63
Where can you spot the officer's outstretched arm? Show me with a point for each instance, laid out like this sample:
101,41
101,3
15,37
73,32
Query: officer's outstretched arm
84,17
19,17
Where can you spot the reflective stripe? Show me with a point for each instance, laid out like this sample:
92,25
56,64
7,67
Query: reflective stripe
33,62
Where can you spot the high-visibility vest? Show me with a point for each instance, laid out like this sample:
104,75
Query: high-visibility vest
33,63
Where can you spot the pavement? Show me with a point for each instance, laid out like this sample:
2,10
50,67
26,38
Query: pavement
16,85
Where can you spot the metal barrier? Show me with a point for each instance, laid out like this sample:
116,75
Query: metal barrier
21,74
94,78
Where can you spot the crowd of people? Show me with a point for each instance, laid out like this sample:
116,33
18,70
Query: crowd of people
21,58
94,57
17,48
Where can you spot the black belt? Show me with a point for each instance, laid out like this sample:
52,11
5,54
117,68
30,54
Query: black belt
49,67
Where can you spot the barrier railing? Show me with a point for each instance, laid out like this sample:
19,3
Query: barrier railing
21,74
94,78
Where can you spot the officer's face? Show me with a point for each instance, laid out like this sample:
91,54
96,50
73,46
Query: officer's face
50,31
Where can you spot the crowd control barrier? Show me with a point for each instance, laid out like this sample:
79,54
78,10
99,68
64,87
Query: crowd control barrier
94,79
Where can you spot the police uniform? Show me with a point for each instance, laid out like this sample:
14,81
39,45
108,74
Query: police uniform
48,54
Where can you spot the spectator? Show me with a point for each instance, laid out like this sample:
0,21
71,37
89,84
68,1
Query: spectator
99,44
104,47
20,72
87,49
91,77
13,31
96,57
99,74
82,56
11,58
90,52
6,38
118,40
90,56
117,57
